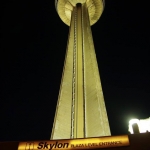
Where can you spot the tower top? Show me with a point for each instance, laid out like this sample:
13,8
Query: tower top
65,7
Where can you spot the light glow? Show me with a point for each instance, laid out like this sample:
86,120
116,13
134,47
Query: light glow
143,124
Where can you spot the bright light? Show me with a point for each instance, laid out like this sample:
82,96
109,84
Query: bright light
131,122
143,124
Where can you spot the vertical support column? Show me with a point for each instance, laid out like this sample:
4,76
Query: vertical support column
96,120
79,100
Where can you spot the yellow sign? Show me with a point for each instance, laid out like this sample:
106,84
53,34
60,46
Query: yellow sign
71,144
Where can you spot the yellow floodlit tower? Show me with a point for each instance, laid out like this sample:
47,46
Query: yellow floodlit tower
80,110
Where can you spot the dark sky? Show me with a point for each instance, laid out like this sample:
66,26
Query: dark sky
33,45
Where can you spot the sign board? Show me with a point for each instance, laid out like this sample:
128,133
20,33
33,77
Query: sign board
71,144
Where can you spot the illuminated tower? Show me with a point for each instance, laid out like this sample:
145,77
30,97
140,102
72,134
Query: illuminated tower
80,110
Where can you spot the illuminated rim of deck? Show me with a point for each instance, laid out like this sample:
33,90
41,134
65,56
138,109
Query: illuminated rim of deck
65,7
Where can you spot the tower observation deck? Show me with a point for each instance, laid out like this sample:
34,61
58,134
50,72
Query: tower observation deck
80,110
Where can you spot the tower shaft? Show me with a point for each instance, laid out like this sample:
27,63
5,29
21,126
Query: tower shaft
80,110
78,91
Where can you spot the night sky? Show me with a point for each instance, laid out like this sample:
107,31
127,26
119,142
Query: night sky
33,45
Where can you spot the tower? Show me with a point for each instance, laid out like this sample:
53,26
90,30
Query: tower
80,110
